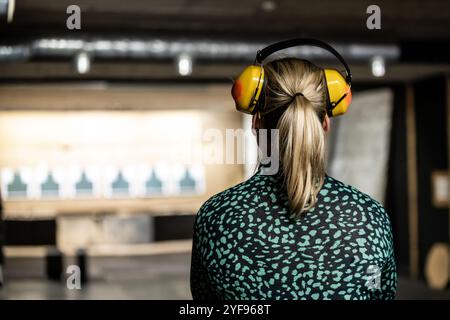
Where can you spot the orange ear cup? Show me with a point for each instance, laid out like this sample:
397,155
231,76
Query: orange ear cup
247,88
236,90
348,98
337,88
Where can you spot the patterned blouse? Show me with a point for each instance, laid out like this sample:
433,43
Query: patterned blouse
246,246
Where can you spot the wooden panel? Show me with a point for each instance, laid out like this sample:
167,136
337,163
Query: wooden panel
163,247
412,184
102,97
448,157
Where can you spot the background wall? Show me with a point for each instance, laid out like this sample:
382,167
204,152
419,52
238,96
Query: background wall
361,142
165,139
430,100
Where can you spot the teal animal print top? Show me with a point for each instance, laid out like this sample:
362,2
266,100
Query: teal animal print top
245,245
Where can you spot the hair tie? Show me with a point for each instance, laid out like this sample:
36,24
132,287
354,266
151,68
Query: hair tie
285,105
295,95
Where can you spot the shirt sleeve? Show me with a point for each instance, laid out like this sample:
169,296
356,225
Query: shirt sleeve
200,283
388,280
388,277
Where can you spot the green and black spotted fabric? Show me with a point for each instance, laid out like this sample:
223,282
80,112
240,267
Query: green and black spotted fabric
245,246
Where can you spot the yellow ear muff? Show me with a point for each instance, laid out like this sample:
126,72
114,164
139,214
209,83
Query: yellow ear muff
247,88
339,93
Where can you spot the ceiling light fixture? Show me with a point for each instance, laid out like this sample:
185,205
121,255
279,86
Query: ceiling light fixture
378,66
184,65
82,62
268,5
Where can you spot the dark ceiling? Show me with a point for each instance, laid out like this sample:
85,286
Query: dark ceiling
401,20
420,28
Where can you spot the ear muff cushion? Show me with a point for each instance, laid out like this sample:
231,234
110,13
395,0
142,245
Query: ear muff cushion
247,88
337,88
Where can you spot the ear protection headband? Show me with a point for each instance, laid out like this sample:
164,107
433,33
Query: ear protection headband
248,87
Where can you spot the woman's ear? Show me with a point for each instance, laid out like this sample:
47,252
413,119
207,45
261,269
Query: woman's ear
326,124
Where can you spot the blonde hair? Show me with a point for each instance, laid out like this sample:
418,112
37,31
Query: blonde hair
295,98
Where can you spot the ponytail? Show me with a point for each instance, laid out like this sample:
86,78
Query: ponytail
302,153
299,118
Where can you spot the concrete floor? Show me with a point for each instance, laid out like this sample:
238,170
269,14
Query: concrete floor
140,277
